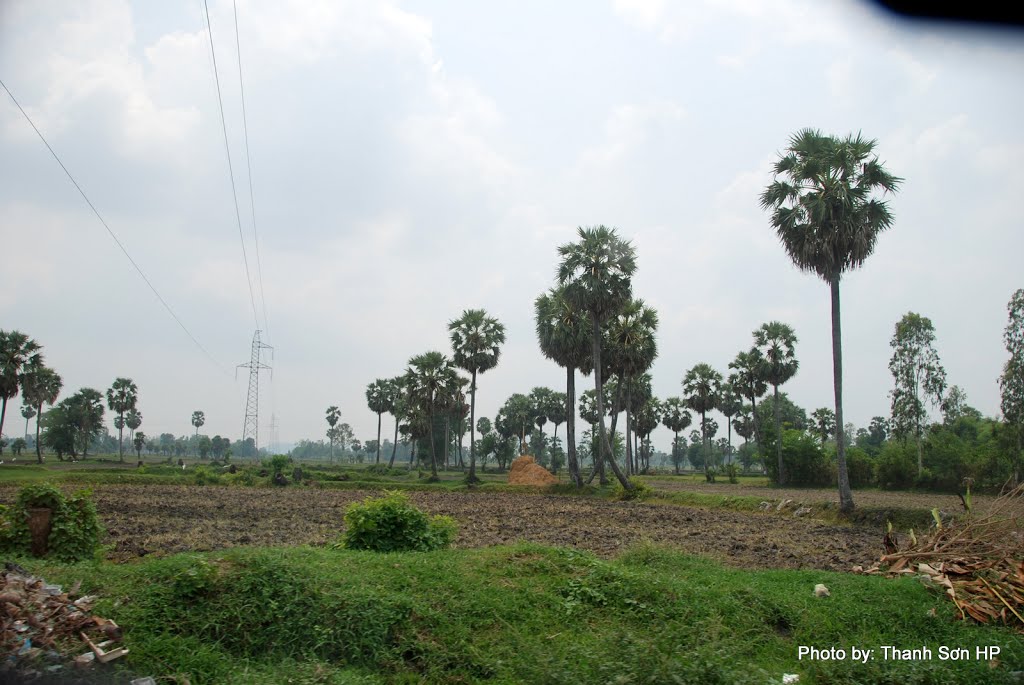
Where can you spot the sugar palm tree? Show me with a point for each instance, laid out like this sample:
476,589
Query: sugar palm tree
675,417
730,405
430,378
198,419
399,404
826,209
379,399
122,396
17,350
40,385
333,416
27,410
633,349
597,274
824,420
563,332
476,345
775,343
701,392
747,382
133,419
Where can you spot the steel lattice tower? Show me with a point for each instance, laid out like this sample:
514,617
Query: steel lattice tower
250,429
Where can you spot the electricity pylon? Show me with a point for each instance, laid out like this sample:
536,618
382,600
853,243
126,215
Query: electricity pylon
250,428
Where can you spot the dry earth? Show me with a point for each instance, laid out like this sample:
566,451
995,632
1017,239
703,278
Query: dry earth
162,519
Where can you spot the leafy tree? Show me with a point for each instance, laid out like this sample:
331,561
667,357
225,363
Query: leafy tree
483,425
545,401
918,376
122,396
648,417
73,424
476,345
430,376
746,380
824,420
198,420
40,385
18,445
564,334
874,436
380,399
775,343
954,406
399,404
1011,382
516,417
17,351
632,351
203,446
675,417
333,416
27,412
139,440
826,213
133,419
702,393
597,274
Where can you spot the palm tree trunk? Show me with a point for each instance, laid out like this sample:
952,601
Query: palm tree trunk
39,448
704,442
728,425
26,426
379,415
845,495
629,441
595,346
433,448
394,445
757,426
675,446
471,478
570,425
3,413
447,445
778,439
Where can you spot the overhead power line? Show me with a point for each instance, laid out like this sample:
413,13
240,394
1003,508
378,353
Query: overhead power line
248,164
112,235
231,169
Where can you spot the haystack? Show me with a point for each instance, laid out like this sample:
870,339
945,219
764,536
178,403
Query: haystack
526,471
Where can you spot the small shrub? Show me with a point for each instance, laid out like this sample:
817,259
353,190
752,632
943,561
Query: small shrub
391,523
733,473
640,490
203,475
75,527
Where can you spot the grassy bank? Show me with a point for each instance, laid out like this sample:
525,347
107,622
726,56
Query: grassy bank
523,613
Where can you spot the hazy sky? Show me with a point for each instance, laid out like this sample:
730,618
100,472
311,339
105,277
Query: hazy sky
414,159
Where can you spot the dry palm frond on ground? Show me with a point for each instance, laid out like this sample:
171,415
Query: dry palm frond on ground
978,561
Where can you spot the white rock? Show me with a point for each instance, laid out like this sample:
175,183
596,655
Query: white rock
821,591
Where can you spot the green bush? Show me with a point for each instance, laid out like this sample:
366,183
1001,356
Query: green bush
75,527
806,463
391,523
203,475
860,467
732,472
640,490
897,465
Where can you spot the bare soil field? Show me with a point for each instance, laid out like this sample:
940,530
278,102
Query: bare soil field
165,519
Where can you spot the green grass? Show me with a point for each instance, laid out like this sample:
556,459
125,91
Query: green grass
524,613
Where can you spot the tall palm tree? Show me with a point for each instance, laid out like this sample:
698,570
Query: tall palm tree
597,274
747,382
40,385
379,399
675,417
775,343
476,345
826,210
399,405
563,332
198,419
730,405
17,350
333,416
430,378
27,410
132,419
632,351
122,396
701,392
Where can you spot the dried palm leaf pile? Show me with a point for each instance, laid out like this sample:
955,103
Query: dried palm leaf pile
978,560
526,471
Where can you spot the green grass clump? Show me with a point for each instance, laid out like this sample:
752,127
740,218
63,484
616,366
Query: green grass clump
391,523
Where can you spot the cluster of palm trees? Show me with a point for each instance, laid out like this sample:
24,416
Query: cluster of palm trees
23,369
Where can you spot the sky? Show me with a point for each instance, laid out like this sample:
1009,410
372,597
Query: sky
411,160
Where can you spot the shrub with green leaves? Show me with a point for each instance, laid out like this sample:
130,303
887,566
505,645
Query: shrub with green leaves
391,523
640,490
75,528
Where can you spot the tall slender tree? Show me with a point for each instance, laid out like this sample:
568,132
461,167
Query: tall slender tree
918,376
17,350
675,417
333,416
826,209
41,385
476,345
122,396
632,350
775,343
824,420
132,419
380,399
1011,382
730,405
597,273
27,411
430,377
702,393
198,420
563,332
746,380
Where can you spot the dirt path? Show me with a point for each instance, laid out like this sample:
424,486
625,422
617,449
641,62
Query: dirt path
160,519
